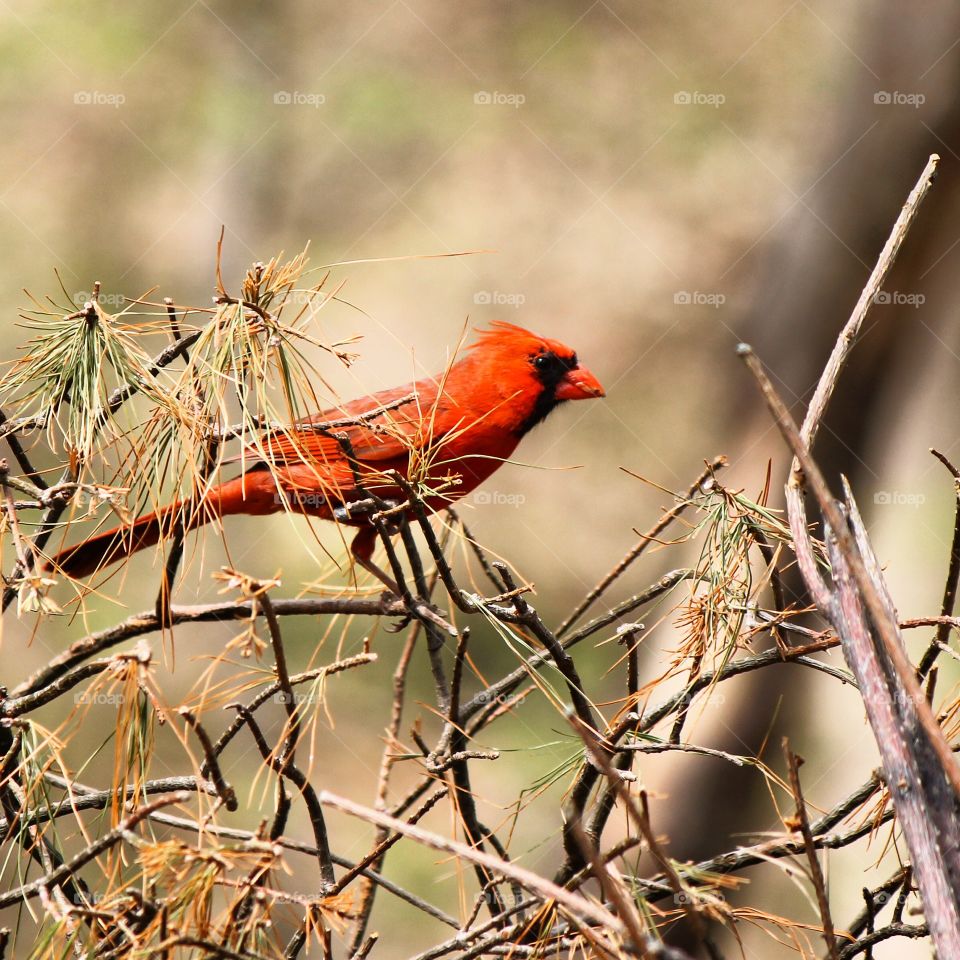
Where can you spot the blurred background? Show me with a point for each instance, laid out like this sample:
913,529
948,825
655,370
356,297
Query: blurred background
650,183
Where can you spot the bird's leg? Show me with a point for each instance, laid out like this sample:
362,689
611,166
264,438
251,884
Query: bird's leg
365,541
362,551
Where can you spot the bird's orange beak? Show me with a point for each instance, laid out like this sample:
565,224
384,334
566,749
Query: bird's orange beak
579,384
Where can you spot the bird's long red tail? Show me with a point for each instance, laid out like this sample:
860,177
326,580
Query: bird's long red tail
115,545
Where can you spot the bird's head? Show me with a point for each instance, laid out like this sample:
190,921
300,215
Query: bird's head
537,371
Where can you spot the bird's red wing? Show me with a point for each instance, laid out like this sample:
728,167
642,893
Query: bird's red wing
300,447
312,449
387,436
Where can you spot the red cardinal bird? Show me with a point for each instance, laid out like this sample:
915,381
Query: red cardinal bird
464,422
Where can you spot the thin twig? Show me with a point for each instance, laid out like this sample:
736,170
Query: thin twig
311,800
953,578
816,873
92,850
576,905
847,339
651,536
224,790
147,622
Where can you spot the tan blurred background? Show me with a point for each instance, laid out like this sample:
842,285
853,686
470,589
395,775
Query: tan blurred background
654,182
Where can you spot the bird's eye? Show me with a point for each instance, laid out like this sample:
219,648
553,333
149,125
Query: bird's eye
542,361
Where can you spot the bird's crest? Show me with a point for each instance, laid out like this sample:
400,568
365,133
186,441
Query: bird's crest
516,339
